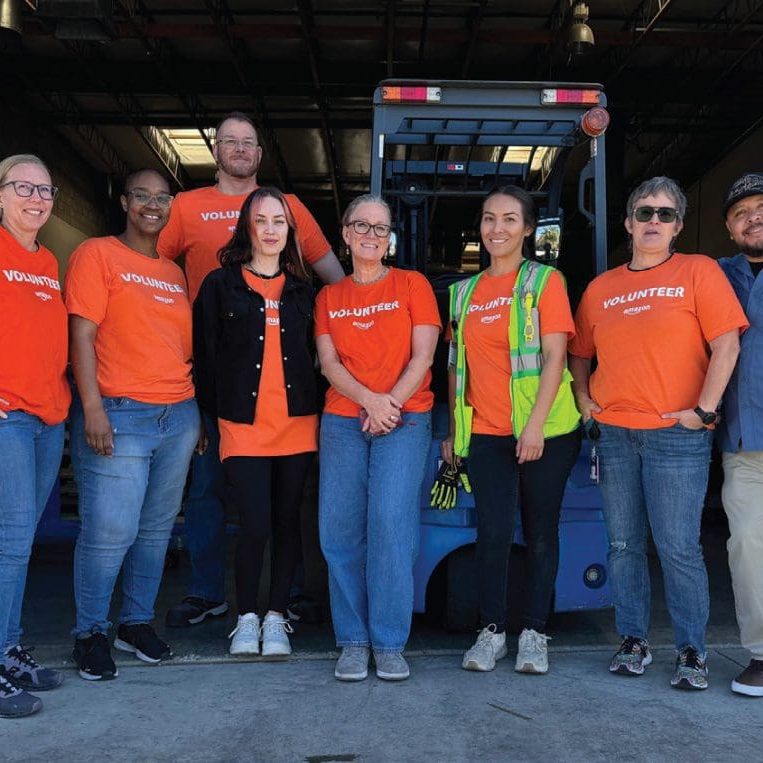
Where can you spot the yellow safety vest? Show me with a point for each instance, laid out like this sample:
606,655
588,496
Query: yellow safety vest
525,355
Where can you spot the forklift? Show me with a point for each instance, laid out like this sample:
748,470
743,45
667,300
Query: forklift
439,147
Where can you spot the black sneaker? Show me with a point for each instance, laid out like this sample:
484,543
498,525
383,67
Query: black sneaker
142,641
750,680
93,658
691,670
20,667
15,702
194,610
631,658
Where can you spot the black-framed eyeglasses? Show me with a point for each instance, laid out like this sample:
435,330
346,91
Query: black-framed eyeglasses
248,144
144,197
25,189
361,227
664,214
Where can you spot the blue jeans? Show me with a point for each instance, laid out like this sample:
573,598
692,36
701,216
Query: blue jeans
204,526
30,456
127,504
659,477
369,526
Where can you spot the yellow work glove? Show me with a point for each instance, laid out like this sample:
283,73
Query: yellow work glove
445,488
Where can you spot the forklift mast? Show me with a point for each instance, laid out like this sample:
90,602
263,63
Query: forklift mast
440,144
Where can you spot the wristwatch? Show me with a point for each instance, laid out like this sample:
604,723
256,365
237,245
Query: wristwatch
706,417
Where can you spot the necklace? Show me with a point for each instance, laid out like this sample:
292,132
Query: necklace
266,276
381,275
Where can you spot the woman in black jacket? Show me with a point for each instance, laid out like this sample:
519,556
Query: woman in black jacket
253,354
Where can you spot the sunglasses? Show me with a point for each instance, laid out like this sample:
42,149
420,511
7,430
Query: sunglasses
664,214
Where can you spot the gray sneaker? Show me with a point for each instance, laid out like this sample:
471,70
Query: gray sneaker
532,653
20,667
487,649
352,664
15,702
391,666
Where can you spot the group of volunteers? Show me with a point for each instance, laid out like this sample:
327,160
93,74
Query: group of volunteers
218,373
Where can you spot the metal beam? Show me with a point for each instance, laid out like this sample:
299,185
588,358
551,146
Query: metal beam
327,135
729,21
641,22
390,33
165,60
475,23
225,23
73,116
675,144
89,55
424,29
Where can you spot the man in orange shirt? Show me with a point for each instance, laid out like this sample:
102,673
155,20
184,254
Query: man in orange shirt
201,222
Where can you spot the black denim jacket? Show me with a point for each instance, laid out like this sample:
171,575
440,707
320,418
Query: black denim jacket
229,345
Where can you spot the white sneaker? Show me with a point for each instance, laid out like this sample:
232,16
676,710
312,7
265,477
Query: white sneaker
275,639
489,647
246,635
532,654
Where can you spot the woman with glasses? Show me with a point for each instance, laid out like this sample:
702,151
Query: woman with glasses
376,332
664,329
255,375
134,423
34,401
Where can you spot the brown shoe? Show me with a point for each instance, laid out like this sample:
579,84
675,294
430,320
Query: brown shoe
750,680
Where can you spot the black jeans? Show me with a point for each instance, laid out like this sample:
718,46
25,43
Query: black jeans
498,481
267,492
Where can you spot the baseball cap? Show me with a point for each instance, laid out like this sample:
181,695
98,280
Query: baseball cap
749,184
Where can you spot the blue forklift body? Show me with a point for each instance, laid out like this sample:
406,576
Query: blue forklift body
441,142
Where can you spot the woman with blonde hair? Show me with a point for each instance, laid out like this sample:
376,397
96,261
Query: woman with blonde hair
34,401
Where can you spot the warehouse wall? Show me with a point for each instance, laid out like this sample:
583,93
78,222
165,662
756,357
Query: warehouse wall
704,230
81,209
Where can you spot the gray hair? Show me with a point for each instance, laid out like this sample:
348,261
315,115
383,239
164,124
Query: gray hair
7,164
652,187
366,198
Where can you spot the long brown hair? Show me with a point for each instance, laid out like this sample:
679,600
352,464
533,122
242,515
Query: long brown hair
239,248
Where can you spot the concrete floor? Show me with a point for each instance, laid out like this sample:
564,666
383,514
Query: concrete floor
298,712
204,705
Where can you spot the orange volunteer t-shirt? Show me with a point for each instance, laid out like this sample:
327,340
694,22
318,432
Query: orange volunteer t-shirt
202,221
486,338
649,330
141,308
33,333
371,327
273,432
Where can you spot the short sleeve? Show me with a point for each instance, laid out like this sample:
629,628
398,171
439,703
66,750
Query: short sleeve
554,308
313,243
422,301
170,244
86,288
716,305
320,313
582,343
